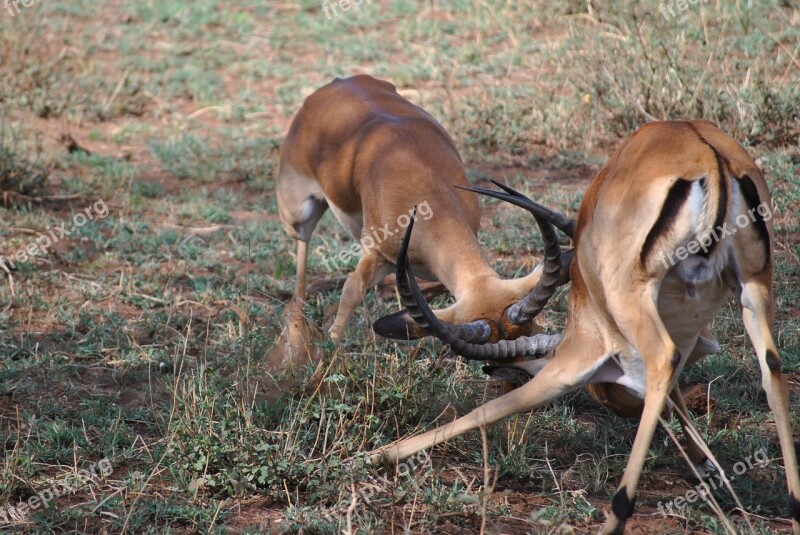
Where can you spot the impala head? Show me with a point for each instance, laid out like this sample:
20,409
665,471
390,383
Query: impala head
485,314
495,321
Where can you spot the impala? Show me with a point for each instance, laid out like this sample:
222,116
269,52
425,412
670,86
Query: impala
634,321
370,155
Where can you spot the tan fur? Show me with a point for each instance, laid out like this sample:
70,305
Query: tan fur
371,155
636,322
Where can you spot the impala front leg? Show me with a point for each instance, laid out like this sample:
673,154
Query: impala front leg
570,368
658,386
294,346
371,269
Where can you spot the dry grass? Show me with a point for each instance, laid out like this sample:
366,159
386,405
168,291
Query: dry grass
141,338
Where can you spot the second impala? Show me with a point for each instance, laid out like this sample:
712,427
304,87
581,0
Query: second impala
370,155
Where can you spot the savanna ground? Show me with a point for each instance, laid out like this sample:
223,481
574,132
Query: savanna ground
141,337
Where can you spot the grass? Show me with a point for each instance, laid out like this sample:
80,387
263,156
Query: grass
22,174
141,337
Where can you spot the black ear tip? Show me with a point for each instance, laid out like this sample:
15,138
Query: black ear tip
382,326
396,326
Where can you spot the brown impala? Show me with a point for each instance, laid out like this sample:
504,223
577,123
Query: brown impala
370,155
694,215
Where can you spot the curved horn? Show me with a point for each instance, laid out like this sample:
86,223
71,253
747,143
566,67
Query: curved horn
532,304
477,331
560,221
414,302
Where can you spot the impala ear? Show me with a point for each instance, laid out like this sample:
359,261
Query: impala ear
399,326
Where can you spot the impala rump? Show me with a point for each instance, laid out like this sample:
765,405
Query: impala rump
633,324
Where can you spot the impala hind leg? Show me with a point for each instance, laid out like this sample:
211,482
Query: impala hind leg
706,345
371,269
757,313
302,264
301,204
698,452
695,452
645,331
295,346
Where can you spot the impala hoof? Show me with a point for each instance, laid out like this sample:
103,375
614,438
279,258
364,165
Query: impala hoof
336,333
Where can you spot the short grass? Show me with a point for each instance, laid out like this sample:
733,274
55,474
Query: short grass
140,337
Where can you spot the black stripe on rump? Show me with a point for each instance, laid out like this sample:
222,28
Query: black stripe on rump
750,193
676,198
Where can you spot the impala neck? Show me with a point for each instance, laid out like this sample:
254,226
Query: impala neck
469,277
462,268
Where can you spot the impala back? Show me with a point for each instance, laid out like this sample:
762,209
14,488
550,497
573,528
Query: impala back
374,156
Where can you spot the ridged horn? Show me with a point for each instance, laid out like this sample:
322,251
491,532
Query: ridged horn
532,304
454,335
477,331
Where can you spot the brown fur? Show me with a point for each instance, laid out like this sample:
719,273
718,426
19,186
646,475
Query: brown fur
633,321
360,147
